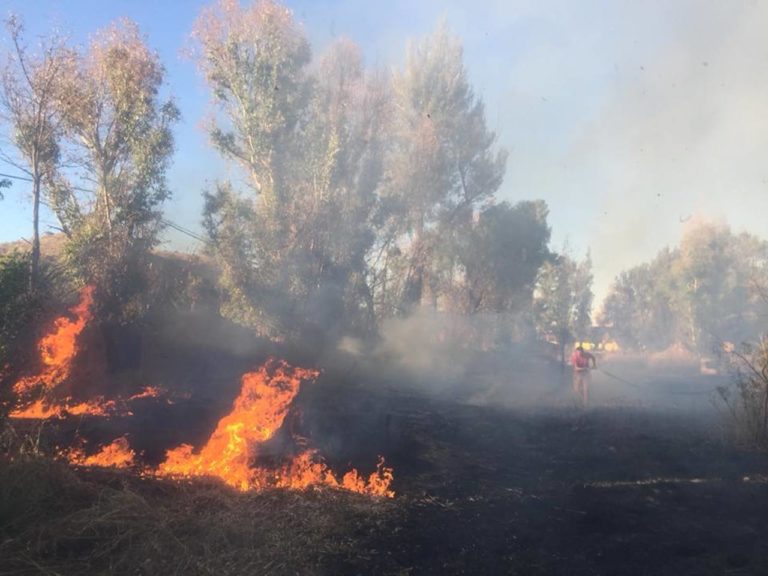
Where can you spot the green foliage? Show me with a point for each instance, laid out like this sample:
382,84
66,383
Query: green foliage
703,293
442,165
30,88
292,247
21,309
16,306
563,299
362,189
502,256
365,193
120,132
254,60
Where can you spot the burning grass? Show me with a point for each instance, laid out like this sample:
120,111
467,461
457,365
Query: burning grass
117,454
259,411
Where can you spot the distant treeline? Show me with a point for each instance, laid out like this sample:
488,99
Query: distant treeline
710,291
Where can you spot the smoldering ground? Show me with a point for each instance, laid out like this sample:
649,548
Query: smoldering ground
490,360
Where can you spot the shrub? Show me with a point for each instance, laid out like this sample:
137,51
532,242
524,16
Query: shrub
16,304
746,399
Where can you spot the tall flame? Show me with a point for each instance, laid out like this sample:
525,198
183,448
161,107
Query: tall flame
59,347
258,412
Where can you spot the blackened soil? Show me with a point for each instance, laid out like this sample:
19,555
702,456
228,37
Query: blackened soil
606,491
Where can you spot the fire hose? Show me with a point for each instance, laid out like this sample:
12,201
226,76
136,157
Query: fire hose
639,387
619,378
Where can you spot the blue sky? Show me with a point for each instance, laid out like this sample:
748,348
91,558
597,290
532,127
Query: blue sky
627,117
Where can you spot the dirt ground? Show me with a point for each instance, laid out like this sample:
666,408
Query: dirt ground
504,472
616,488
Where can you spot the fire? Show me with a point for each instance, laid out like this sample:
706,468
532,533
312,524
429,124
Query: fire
118,454
147,392
41,410
258,413
305,471
59,347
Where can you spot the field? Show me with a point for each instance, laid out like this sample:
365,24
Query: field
499,471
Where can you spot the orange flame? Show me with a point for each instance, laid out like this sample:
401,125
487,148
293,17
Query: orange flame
257,414
118,454
303,472
147,392
41,410
58,349
59,346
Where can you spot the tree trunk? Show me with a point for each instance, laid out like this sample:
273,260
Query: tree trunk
414,286
367,295
34,263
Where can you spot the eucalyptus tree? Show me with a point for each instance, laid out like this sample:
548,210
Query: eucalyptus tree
708,290
119,131
254,59
339,175
30,87
501,257
443,163
308,140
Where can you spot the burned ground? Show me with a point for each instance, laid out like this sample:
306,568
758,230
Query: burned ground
489,487
608,490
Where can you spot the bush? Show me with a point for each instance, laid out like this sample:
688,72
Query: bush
16,304
746,400
21,312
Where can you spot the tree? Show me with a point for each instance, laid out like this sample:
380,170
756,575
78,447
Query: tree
705,292
338,178
502,256
254,60
29,90
310,141
563,300
581,286
442,164
120,133
746,398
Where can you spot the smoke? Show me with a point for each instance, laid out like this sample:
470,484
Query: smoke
481,359
490,360
683,133
627,118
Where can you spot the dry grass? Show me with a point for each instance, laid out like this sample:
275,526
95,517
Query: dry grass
54,520
51,246
745,401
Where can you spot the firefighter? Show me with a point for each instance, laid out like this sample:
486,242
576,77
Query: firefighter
580,360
